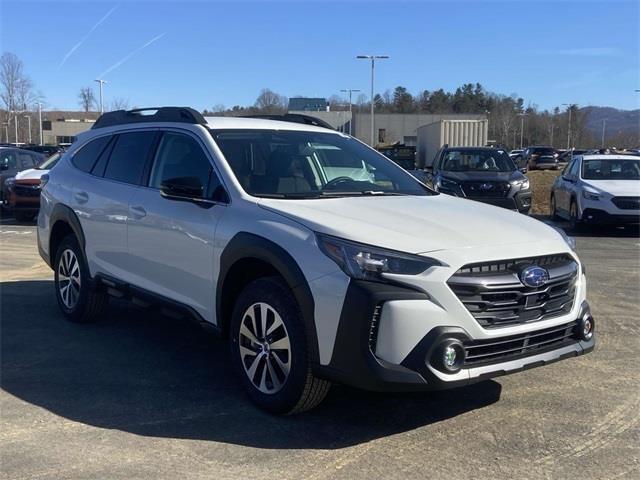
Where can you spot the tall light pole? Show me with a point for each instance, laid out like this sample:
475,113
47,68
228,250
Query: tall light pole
6,130
101,82
350,90
40,119
570,108
28,117
522,115
604,129
373,59
16,126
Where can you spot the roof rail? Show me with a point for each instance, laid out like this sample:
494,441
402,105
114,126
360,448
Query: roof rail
162,114
294,118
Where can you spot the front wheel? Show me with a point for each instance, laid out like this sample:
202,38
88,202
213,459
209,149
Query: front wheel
575,222
269,349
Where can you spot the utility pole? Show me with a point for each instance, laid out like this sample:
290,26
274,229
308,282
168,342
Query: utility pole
101,82
570,107
6,130
604,129
350,90
373,59
40,120
28,117
522,115
552,127
16,126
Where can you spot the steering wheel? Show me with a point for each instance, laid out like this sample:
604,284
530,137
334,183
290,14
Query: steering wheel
337,181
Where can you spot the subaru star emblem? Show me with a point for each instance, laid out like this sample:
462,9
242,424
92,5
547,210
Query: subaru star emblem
486,186
534,276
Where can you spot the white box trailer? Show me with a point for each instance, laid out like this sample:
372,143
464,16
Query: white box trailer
455,133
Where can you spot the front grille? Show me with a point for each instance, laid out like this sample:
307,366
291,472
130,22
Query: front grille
485,189
26,190
627,203
480,352
494,294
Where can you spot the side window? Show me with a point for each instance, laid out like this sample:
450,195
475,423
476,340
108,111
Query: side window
8,160
129,156
86,157
567,168
180,156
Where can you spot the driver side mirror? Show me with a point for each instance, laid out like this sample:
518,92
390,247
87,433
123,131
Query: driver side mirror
523,170
568,178
182,188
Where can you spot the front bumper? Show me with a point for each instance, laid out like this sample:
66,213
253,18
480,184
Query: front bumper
358,349
597,216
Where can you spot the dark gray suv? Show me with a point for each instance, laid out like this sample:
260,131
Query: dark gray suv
484,174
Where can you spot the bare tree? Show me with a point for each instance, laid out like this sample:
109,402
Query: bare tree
86,98
270,102
119,103
17,88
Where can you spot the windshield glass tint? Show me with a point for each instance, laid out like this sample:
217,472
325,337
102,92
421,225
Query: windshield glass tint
543,151
293,164
611,169
477,161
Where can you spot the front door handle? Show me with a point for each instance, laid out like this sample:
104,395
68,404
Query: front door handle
138,212
81,197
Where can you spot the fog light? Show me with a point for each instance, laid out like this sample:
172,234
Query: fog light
449,356
585,328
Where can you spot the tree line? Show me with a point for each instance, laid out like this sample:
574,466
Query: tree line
509,118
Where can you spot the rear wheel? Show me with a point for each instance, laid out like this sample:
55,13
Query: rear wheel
269,348
77,295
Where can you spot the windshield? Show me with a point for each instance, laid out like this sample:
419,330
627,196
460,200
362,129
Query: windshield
50,162
477,161
626,169
293,164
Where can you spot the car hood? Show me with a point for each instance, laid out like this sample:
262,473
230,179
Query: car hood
414,224
617,188
30,174
483,176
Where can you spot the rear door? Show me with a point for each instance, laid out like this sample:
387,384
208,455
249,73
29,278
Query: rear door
171,242
114,166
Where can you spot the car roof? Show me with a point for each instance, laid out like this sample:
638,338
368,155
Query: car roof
475,148
244,123
602,156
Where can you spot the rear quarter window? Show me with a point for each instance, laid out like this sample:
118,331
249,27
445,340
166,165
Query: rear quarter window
129,156
87,156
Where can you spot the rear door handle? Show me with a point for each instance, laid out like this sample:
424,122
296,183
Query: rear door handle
138,212
81,197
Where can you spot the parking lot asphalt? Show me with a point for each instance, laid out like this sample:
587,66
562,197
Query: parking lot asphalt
142,396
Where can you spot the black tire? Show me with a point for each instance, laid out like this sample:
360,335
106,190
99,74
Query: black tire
24,216
300,390
90,302
575,223
553,209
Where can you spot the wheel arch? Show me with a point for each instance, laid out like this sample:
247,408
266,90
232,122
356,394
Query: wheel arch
64,221
248,257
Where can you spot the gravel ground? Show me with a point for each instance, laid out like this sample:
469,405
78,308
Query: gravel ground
141,396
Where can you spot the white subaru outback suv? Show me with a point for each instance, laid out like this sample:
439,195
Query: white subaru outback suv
319,259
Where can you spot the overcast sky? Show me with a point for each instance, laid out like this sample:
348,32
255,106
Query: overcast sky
209,52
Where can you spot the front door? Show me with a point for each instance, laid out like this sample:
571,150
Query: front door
171,242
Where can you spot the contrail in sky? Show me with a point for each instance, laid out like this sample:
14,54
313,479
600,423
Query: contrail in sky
84,39
127,57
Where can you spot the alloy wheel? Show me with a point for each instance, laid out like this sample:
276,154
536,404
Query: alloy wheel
69,280
265,348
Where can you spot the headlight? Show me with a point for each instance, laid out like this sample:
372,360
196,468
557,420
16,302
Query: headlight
590,195
445,183
523,184
365,262
570,240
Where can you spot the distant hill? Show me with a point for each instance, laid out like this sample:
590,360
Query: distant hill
618,121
